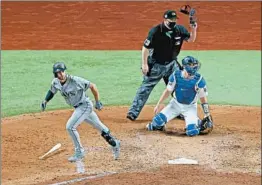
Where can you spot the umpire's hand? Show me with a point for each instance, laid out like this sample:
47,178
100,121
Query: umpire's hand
145,69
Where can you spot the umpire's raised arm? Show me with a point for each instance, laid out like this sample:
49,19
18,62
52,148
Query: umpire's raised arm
193,33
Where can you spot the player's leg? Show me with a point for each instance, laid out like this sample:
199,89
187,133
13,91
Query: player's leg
94,120
191,120
162,118
170,69
74,121
144,91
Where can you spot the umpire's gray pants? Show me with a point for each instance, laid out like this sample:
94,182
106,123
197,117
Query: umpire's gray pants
149,82
83,113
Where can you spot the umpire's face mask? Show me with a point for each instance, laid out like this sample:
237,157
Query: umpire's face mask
171,23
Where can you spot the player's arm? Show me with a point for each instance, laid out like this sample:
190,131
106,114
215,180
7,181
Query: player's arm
49,95
205,106
189,37
148,44
206,124
202,94
86,84
169,89
95,92
145,54
193,33
163,97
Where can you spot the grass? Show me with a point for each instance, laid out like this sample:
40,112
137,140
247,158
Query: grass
233,77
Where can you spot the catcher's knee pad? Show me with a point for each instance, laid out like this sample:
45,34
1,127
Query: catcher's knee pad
159,120
192,130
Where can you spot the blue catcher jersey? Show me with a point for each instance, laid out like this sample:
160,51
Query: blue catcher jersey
183,89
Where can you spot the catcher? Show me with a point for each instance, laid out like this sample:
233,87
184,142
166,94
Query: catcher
186,86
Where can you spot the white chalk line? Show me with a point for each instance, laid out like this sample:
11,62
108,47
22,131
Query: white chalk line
84,178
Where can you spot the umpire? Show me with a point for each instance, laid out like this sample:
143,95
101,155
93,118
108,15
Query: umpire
159,57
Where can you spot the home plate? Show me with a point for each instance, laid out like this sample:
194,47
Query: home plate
182,161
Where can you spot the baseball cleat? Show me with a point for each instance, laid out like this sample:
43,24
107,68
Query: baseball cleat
116,149
77,156
150,127
131,117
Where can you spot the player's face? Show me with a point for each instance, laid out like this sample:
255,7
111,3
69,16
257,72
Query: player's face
193,65
61,76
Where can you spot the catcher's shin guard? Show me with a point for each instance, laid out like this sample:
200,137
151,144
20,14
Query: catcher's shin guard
158,122
192,130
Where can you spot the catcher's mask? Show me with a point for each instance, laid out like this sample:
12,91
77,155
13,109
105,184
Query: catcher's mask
191,65
57,67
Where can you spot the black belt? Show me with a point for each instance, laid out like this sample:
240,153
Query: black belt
78,105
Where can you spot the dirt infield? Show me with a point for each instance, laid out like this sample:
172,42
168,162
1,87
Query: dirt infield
124,25
230,155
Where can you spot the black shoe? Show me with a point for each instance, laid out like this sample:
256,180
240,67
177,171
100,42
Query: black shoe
181,117
131,117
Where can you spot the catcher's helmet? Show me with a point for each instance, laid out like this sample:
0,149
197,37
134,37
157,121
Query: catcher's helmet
58,66
191,65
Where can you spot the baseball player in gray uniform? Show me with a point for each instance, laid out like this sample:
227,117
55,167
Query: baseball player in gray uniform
73,89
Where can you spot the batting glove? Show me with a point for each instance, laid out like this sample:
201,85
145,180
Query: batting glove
43,105
99,105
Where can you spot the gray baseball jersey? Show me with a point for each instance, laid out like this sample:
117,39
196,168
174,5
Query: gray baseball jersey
74,93
73,90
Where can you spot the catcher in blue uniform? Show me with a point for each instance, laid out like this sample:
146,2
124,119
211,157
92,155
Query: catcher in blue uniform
186,86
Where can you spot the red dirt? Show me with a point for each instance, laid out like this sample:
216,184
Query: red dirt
230,154
124,25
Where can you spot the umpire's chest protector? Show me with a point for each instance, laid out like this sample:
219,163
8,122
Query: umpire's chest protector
185,89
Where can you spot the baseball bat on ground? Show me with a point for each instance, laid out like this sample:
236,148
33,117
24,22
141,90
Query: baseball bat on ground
56,147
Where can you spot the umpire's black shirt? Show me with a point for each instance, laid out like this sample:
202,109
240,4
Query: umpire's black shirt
165,44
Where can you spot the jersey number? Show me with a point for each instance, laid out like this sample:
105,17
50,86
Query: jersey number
147,42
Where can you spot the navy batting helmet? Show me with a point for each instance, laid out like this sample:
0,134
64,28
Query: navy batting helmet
191,65
58,66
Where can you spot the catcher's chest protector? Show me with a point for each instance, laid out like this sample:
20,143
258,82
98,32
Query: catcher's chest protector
185,89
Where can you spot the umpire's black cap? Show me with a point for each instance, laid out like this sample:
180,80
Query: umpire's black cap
170,14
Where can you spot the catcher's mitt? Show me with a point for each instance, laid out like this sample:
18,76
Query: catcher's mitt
206,125
186,9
